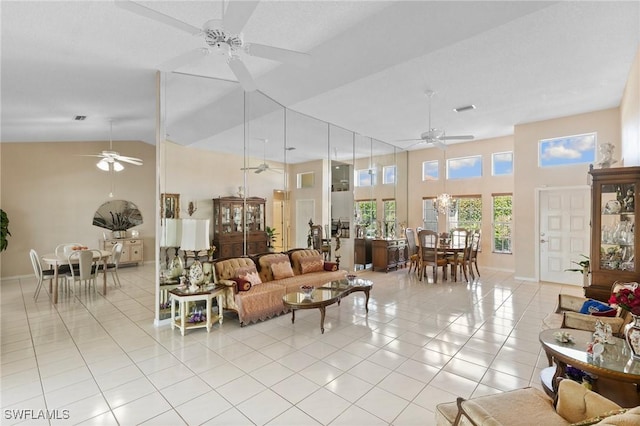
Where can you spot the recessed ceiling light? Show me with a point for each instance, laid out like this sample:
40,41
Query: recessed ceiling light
80,118
465,108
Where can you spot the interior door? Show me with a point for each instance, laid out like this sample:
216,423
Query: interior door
564,216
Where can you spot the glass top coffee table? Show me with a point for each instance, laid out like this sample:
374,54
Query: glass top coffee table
615,363
326,295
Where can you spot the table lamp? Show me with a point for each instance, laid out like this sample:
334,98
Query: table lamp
170,236
195,237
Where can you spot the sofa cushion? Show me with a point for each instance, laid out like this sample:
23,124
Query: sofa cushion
281,270
311,264
265,262
591,306
599,418
226,269
250,274
298,255
242,284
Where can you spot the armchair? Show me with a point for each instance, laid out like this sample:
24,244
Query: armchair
575,403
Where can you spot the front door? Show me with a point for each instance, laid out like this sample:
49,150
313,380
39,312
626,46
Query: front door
564,216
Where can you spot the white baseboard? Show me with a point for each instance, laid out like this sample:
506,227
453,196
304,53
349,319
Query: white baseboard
530,279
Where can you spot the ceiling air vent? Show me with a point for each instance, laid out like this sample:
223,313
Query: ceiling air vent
465,108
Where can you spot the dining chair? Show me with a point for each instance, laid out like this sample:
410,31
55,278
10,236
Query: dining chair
87,268
41,275
116,253
319,243
458,243
430,255
475,247
65,250
414,257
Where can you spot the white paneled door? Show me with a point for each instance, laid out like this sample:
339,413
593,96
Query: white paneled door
564,224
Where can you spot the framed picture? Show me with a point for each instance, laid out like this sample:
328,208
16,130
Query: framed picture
170,206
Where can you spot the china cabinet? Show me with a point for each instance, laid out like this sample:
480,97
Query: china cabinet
235,217
613,236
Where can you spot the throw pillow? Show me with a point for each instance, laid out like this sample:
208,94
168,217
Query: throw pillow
591,306
281,270
610,313
242,284
310,264
330,266
598,419
249,273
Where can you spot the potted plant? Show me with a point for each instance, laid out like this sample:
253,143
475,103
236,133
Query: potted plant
584,270
271,237
4,230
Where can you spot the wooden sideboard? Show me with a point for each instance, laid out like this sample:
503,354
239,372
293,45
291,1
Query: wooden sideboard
362,252
389,254
132,249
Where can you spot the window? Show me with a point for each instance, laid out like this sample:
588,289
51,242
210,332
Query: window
365,212
468,215
305,180
429,215
502,163
568,150
430,170
388,175
464,167
389,225
502,219
365,177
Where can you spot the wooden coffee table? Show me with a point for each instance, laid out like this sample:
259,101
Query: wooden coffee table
326,295
615,370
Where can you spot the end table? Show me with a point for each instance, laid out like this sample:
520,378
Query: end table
182,297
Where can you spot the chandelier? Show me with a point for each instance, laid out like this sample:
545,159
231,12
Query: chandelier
445,204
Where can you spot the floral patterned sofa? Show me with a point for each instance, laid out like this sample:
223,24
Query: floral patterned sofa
256,285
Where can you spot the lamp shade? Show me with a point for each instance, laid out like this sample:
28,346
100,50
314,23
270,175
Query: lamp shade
195,234
171,233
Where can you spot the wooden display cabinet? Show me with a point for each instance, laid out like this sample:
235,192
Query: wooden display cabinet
388,254
614,210
235,217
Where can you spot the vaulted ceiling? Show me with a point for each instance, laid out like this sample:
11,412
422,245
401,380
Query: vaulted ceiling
371,62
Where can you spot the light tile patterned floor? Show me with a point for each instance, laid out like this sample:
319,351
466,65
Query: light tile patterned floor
103,361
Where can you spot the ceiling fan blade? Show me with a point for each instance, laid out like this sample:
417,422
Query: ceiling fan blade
237,14
460,138
184,59
91,155
157,16
130,160
410,140
278,54
241,72
259,170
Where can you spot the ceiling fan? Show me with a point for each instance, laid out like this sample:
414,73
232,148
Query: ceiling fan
110,160
264,166
224,37
436,137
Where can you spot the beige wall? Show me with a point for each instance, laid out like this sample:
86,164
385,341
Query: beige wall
630,116
50,194
484,186
528,176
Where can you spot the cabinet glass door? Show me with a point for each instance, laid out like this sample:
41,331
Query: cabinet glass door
617,227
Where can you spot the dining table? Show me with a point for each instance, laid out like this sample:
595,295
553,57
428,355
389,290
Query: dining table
56,260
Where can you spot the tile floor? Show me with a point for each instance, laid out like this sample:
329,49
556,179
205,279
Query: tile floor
100,360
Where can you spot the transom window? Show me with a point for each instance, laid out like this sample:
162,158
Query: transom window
502,163
567,150
430,170
388,175
464,167
365,177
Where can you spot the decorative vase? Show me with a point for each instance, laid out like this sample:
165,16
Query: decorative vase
176,267
632,335
196,274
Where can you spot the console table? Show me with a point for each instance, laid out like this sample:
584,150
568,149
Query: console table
182,299
617,373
